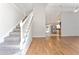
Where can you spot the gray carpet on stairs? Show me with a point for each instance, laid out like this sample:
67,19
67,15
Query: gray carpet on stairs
8,47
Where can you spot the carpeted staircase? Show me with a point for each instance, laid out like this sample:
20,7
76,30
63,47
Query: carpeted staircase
11,44
17,43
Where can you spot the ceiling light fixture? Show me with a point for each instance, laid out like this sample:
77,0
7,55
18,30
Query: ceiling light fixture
76,10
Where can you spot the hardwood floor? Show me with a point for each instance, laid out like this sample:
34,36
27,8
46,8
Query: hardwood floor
54,46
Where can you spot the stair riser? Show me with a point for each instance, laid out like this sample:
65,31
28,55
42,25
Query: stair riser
18,26
9,43
17,30
12,38
15,34
9,40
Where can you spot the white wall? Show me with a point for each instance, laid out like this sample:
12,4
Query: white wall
51,14
11,14
69,19
70,24
26,8
9,17
38,27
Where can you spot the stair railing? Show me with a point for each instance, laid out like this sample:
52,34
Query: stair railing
25,27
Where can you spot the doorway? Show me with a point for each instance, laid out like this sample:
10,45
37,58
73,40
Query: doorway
56,29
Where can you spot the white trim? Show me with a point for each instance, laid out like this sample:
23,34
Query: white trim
68,34
38,36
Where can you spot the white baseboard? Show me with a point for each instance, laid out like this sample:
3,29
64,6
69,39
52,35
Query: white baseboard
69,35
38,36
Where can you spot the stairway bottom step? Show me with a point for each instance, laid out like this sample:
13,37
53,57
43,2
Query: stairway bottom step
8,50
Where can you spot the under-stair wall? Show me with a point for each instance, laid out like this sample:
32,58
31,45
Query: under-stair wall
39,22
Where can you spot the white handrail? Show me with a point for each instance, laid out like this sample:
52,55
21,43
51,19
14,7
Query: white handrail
24,26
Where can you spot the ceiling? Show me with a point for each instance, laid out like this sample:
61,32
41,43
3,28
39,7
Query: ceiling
26,8
62,6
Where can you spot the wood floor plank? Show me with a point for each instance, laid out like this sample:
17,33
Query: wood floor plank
54,46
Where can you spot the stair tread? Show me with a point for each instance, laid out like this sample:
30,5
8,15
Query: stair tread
10,37
9,50
16,30
10,43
